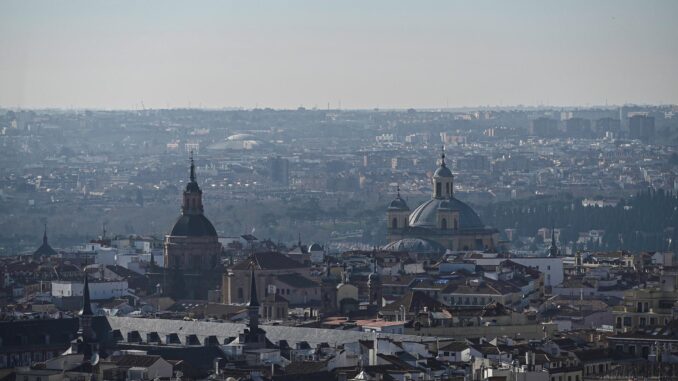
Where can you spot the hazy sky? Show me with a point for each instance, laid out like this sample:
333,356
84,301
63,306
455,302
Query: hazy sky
285,54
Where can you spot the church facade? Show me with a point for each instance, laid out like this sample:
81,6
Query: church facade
441,223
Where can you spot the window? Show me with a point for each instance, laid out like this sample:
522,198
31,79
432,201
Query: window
627,321
447,189
443,224
394,223
240,293
456,224
438,190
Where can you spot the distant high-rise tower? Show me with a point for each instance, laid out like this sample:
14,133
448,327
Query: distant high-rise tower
280,170
544,127
641,127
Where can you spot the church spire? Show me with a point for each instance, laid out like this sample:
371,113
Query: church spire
253,305
442,156
553,250
254,299
192,167
86,301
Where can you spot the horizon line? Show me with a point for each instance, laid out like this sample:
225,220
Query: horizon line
335,109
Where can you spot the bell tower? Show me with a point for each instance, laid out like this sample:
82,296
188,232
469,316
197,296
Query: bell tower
397,216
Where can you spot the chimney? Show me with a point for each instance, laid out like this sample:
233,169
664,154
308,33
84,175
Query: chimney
217,366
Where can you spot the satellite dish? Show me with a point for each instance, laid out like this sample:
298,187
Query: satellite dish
95,358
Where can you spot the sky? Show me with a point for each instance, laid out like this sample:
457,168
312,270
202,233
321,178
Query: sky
349,54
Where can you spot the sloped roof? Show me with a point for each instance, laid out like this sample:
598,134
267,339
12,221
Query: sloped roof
414,302
269,261
293,335
297,280
136,360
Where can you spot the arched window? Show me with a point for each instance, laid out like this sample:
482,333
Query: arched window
439,190
394,223
456,224
443,224
447,189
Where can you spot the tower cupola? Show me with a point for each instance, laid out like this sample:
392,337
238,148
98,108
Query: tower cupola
443,179
192,203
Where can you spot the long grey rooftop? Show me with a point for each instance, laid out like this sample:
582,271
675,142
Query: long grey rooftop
222,331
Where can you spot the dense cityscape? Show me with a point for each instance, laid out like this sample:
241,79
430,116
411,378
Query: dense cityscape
526,244
348,190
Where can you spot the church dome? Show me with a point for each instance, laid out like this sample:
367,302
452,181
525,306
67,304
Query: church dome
194,225
426,214
398,204
443,171
415,245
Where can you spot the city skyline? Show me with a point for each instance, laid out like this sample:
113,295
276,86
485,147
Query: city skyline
351,56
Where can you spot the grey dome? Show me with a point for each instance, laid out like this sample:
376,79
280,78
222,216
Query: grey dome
398,204
315,247
195,225
426,214
415,245
443,171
